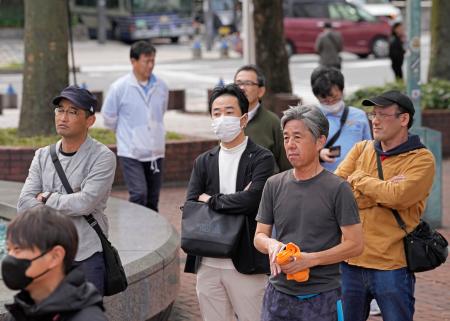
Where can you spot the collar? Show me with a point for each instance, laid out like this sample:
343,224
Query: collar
411,144
251,147
133,80
235,148
252,113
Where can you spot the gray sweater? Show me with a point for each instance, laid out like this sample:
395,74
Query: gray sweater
90,173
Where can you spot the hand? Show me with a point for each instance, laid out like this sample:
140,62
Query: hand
273,248
326,155
299,264
397,179
204,198
39,196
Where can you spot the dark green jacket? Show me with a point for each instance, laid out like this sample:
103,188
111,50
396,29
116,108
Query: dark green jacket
265,130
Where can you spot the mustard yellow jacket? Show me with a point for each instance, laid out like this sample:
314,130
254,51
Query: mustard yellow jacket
383,238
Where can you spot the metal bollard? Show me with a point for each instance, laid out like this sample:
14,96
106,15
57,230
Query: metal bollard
197,50
9,100
177,99
224,49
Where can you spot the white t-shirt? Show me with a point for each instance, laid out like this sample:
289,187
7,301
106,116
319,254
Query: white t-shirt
229,159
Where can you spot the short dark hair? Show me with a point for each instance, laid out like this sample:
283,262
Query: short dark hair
328,25
44,227
324,78
395,26
142,47
229,90
259,74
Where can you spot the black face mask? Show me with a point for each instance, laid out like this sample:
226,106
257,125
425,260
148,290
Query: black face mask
13,272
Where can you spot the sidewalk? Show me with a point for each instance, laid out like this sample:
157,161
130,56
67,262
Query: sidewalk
432,288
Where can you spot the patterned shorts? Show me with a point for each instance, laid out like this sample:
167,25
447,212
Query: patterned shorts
278,306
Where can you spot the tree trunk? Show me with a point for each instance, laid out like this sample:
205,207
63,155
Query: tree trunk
440,40
46,69
271,55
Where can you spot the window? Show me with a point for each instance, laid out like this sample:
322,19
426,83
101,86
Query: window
86,3
309,10
161,7
343,11
112,4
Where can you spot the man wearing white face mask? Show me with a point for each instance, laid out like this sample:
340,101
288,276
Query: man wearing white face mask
230,179
348,125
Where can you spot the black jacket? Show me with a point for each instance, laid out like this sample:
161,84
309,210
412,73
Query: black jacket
256,166
396,50
73,300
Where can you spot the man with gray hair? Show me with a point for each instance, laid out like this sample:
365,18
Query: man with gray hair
315,210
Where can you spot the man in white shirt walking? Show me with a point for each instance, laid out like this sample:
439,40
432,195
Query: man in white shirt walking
134,109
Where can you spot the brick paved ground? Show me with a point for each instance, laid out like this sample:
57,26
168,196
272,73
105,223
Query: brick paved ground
432,288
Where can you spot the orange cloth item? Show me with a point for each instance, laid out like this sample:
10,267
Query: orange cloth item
285,257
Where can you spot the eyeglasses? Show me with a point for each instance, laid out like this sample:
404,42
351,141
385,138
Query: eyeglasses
245,83
71,113
330,100
381,116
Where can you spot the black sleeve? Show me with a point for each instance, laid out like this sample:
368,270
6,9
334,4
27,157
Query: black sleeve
197,182
246,202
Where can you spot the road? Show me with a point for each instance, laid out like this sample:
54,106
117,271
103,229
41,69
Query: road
100,65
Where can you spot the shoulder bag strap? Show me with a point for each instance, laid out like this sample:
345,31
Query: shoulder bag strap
62,176
399,220
59,169
338,133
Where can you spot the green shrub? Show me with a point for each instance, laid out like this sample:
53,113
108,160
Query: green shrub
435,94
8,137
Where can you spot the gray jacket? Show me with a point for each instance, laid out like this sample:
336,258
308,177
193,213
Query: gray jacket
90,173
328,46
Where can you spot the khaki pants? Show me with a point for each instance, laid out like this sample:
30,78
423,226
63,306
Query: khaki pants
224,293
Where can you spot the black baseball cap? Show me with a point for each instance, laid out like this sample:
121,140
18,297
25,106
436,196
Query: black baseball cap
391,97
80,97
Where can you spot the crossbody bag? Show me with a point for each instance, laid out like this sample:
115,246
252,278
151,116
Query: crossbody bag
115,277
425,248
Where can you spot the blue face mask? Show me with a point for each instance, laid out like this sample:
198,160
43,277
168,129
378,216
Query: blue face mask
13,271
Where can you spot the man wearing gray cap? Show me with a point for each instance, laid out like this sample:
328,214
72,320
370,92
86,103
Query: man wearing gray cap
89,167
408,168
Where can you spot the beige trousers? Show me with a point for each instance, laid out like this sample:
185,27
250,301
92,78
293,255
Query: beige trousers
226,293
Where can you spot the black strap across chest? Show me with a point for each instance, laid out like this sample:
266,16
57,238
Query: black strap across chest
62,176
338,133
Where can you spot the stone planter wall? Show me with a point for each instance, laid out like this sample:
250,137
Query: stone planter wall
180,156
439,120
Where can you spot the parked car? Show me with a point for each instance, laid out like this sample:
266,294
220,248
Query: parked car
380,8
362,33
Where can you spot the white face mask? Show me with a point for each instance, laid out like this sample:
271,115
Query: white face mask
335,108
226,128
